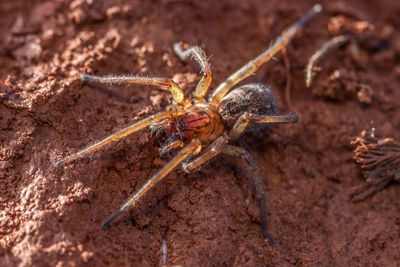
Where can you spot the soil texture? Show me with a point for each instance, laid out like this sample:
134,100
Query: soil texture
51,217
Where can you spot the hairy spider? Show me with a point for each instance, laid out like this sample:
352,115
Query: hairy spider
215,122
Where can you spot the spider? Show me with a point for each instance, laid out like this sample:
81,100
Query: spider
201,123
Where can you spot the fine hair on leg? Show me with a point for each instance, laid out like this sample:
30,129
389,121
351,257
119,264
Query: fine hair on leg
253,65
191,149
163,83
130,129
199,56
244,120
213,150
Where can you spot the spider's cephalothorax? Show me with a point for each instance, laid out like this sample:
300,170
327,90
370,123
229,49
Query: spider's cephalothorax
200,121
192,125
205,122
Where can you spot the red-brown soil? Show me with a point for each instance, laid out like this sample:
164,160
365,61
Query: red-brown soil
52,218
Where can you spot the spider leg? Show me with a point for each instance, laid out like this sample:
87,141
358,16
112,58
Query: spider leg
191,149
198,55
117,136
171,146
213,150
164,83
253,65
244,120
258,184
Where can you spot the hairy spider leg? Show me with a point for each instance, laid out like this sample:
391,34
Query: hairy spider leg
118,135
258,185
193,148
252,66
163,83
244,120
213,150
171,146
200,57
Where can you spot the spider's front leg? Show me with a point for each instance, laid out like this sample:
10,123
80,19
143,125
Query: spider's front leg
198,54
164,83
258,184
193,148
244,120
252,66
117,136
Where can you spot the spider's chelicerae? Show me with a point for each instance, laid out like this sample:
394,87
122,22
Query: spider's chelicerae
202,124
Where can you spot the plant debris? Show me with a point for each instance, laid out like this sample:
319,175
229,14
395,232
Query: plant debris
345,84
379,160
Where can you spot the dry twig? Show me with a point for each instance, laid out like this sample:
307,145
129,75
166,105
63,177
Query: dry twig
325,48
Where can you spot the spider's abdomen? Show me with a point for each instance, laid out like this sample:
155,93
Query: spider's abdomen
253,98
199,121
